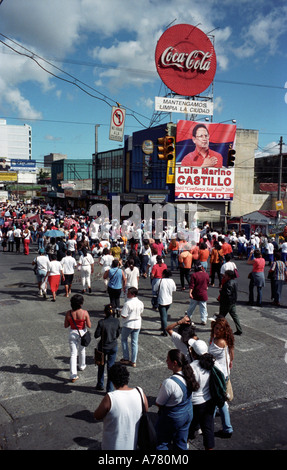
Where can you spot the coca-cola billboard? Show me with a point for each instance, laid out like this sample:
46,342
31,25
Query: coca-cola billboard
185,60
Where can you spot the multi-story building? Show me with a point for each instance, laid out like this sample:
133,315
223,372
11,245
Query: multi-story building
15,141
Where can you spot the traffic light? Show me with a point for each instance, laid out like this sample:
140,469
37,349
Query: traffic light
161,148
231,157
166,148
170,147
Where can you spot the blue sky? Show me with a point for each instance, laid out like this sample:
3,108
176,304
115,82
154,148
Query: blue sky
107,48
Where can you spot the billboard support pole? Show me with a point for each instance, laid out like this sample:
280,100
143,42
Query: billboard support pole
279,178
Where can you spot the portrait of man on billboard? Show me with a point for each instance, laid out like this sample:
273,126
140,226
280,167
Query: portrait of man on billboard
202,156
203,145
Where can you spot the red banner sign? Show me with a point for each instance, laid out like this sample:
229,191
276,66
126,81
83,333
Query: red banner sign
201,163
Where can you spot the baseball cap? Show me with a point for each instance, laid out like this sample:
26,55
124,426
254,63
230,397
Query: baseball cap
199,346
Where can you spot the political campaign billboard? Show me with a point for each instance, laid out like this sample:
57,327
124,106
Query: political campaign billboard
202,172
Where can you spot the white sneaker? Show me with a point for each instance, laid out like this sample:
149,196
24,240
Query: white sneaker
214,318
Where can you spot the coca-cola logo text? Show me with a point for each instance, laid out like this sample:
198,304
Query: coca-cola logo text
197,60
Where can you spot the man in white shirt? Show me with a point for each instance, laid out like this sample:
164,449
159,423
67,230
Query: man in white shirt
68,264
270,252
131,325
166,288
41,264
10,239
93,231
17,238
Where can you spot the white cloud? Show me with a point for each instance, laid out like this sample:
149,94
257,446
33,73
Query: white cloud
263,33
218,104
52,138
272,148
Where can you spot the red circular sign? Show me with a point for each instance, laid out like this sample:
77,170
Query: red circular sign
185,60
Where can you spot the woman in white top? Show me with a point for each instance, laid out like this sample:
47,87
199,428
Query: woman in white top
71,244
222,348
55,271
132,275
203,405
131,324
106,262
86,262
175,405
120,411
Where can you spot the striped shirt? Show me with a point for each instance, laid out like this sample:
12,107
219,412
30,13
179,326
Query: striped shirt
280,269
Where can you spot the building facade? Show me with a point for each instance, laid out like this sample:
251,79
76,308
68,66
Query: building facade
15,141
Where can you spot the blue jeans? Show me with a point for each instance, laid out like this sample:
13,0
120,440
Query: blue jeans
134,334
163,309
225,418
155,284
110,358
174,259
144,263
40,243
202,309
251,294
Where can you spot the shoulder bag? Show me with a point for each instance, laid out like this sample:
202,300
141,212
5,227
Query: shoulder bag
99,356
146,432
35,268
229,390
86,338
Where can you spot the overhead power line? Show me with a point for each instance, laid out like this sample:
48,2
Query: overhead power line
75,81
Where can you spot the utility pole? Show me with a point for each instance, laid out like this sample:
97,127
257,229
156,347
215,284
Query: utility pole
94,183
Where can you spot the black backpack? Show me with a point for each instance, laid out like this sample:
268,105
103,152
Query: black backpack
217,387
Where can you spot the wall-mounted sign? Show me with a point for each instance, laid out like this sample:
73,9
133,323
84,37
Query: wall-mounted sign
176,105
24,165
147,147
8,176
185,60
117,124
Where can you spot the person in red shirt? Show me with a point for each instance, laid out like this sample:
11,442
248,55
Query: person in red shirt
257,276
156,274
199,281
202,156
158,246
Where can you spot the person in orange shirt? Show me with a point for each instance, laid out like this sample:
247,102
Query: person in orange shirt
216,260
185,263
203,255
173,247
226,247
195,252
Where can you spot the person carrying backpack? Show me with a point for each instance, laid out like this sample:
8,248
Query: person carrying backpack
202,399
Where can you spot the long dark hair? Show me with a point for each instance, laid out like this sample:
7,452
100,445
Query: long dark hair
108,310
186,332
177,356
227,334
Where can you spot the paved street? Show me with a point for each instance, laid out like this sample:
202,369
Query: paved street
41,409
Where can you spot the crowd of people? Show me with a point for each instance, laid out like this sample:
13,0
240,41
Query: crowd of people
125,254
